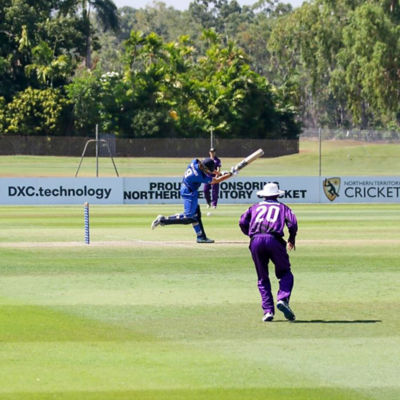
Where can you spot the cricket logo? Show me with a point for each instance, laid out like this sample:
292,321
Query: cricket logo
331,188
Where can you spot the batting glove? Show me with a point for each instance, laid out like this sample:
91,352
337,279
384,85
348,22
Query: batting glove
234,171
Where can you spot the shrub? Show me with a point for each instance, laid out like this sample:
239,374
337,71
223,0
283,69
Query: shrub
36,112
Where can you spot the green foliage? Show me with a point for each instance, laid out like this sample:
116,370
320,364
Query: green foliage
198,95
231,99
217,92
368,64
102,99
106,16
2,114
233,70
223,16
146,123
39,45
344,56
36,112
84,93
47,68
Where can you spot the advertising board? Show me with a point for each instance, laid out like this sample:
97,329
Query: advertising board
166,190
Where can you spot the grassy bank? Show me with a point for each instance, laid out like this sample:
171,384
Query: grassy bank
338,158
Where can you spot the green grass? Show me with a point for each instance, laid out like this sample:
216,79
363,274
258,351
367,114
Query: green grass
338,158
143,314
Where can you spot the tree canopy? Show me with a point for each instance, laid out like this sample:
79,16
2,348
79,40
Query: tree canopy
260,71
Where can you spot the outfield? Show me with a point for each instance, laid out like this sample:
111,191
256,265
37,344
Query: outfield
143,314
338,158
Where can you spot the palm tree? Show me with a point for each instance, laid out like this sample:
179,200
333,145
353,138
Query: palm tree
106,14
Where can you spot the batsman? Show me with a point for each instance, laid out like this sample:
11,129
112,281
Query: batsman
197,172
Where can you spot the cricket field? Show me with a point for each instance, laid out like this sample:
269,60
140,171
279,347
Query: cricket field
141,314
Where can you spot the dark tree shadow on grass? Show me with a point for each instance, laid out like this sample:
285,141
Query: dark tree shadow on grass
323,321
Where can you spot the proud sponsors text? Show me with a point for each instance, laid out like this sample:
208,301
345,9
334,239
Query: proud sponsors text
243,190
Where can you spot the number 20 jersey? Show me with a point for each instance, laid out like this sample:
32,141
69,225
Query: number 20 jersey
269,217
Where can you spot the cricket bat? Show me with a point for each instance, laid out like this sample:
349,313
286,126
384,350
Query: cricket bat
249,159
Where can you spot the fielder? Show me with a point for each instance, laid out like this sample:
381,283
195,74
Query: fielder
197,172
264,223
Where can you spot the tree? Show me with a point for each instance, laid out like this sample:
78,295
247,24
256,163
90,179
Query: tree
235,101
33,38
368,64
47,67
100,98
224,16
106,14
218,91
147,67
303,47
343,57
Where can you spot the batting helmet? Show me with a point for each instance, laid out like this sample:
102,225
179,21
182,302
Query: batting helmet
208,163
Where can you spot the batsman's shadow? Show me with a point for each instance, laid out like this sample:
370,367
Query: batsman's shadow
337,321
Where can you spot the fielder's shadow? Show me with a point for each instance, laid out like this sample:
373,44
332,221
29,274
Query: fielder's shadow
337,321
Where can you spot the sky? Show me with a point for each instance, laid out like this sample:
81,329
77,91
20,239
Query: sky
184,4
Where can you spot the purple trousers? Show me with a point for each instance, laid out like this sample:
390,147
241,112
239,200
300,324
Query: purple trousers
207,193
264,248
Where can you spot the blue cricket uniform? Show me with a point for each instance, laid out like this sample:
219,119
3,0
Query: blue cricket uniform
191,183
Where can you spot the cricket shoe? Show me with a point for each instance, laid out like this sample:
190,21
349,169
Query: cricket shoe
269,316
157,222
283,306
204,240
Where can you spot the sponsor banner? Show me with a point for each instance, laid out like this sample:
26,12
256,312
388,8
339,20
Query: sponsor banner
238,190
60,190
235,190
360,189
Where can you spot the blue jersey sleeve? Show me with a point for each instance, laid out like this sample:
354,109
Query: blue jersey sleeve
194,177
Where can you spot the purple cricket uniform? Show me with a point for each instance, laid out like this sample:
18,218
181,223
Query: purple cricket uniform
208,188
264,222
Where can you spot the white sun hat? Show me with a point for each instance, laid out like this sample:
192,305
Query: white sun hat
270,189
